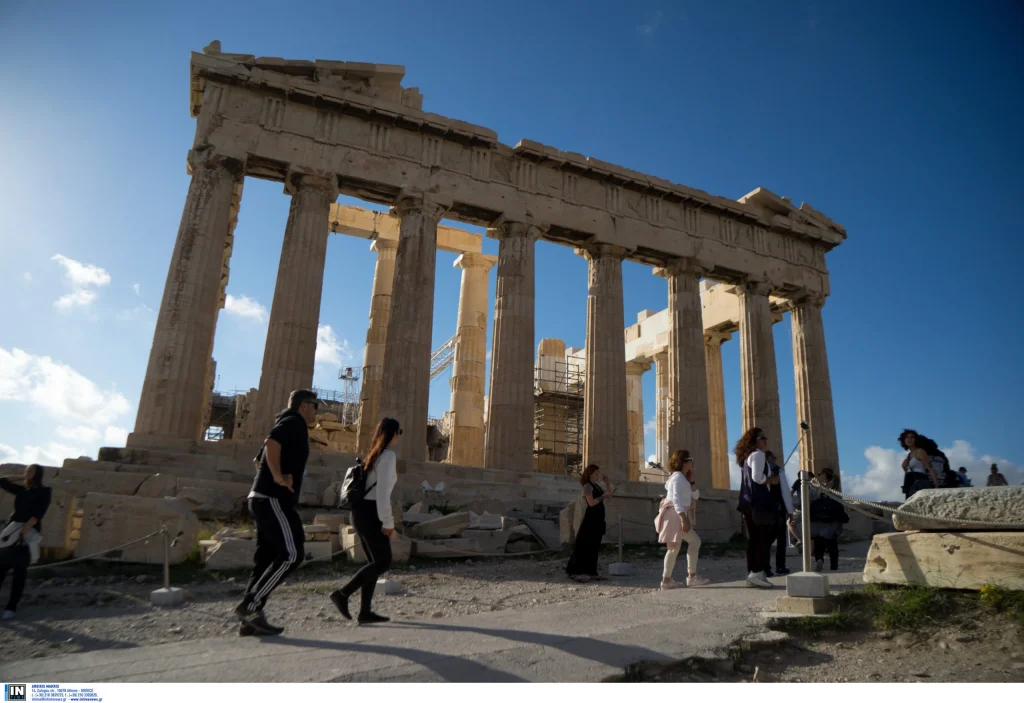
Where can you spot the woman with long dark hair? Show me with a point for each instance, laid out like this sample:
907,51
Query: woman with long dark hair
582,566
677,520
374,523
755,504
23,530
917,466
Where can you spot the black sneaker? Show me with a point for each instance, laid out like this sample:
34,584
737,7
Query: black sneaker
371,619
243,614
259,624
340,601
783,571
246,630
768,573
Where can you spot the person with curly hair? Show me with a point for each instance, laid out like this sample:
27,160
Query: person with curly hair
917,466
756,504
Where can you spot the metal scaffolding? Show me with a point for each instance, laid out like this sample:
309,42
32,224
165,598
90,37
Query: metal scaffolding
558,419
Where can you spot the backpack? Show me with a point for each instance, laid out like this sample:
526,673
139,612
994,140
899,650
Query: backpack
353,487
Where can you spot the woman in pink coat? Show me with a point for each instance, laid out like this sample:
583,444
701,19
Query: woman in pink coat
677,518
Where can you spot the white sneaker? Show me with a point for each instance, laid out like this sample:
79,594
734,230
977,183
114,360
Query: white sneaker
819,565
669,585
696,580
758,580
8,615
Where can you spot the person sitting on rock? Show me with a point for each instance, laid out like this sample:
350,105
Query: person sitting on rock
965,480
995,478
917,468
31,501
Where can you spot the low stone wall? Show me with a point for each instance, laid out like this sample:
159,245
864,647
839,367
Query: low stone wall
967,560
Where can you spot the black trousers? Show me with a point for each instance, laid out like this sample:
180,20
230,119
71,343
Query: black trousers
759,543
15,558
377,547
280,548
778,538
832,545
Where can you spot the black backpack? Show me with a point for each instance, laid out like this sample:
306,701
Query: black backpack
353,487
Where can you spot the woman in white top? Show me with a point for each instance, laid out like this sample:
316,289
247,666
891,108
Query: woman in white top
677,520
374,523
917,469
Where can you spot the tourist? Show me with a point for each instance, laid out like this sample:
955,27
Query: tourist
755,504
280,539
917,469
995,478
582,566
965,481
827,519
778,486
677,520
24,529
373,518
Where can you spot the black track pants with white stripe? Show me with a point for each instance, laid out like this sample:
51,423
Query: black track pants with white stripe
280,548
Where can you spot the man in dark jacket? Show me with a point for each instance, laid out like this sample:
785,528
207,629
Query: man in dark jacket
280,540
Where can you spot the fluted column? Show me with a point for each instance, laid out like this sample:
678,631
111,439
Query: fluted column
637,459
290,348
688,426
171,404
713,342
605,438
813,386
376,335
510,398
466,442
661,407
759,378
405,391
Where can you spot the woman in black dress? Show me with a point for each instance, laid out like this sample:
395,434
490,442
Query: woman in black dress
582,566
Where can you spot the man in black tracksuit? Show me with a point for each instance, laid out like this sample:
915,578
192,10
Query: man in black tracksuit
280,540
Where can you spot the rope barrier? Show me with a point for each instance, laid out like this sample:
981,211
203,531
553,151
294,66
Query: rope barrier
97,554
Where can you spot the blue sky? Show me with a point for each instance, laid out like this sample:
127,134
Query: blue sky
898,120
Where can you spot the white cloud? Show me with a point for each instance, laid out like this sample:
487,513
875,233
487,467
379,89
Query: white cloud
68,397
83,279
115,436
28,277
330,351
137,288
652,457
244,306
139,311
651,426
81,433
53,454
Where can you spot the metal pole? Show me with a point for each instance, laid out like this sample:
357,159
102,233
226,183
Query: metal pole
805,518
167,556
620,540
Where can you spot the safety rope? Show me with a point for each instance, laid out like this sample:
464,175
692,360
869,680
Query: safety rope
97,554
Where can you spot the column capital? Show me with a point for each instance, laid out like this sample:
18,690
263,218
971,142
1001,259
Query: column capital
413,203
637,367
754,286
503,229
805,297
661,357
684,265
716,337
381,245
295,181
602,251
474,260
206,157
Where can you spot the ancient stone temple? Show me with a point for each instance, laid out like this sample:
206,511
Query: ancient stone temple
324,128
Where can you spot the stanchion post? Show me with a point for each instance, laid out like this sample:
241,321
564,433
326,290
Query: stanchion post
167,596
621,560
167,556
805,518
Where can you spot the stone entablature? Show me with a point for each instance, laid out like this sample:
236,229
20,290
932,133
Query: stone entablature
278,116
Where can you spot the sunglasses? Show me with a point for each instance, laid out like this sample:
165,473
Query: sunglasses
399,430
762,437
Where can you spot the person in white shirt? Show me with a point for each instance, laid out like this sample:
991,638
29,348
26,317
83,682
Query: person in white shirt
755,503
677,520
374,523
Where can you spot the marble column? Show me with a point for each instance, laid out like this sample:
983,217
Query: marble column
510,398
376,333
759,379
466,442
171,404
713,342
661,407
405,390
687,420
637,460
605,438
813,386
290,349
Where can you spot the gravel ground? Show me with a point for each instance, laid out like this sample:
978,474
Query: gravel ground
107,606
